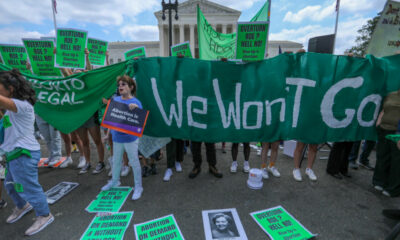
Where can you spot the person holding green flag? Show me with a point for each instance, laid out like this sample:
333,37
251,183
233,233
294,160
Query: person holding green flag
22,151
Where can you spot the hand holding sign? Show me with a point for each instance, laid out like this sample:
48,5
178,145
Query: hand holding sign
132,106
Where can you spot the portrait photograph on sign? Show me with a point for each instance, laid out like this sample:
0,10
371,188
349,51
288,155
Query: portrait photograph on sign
223,224
119,117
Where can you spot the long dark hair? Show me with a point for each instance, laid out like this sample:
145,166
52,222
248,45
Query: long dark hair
22,90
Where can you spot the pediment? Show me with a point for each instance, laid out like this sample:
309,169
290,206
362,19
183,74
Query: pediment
207,7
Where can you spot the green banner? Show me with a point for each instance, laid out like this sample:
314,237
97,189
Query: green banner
251,40
212,44
14,56
182,49
263,14
71,44
109,201
97,49
41,57
385,39
280,225
161,228
66,103
108,226
139,52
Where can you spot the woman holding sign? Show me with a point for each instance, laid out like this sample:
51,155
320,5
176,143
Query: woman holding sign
22,151
126,142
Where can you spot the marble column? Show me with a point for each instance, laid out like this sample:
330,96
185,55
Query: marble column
181,33
192,41
224,27
161,38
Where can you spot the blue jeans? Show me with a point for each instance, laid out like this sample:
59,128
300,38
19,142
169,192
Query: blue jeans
24,170
131,149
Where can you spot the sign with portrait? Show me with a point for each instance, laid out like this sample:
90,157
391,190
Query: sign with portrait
223,224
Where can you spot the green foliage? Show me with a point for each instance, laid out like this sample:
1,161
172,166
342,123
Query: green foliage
362,40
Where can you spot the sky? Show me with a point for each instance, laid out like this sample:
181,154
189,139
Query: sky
134,20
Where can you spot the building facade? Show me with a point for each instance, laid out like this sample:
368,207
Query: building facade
223,19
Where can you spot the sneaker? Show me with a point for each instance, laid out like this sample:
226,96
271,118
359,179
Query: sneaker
54,161
124,171
366,166
99,168
178,167
265,173
274,171
153,169
110,185
353,165
310,174
297,175
3,203
234,167
40,223
386,193
18,213
85,168
137,193
167,175
67,162
109,163
378,188
246,166
258,152
82,162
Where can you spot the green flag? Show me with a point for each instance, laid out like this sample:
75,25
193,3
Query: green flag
263,14
212,44
71,44
41,57
385,39
14,56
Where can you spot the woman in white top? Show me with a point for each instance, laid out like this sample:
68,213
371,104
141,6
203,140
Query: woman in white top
22,151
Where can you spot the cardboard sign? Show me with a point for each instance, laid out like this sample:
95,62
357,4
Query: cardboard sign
278,224
160,228
71,44
251,40
139,52
14,56
109,201
385,39
108,226
41,57
223,224
60,190
42,164
182,49
119,117
97,49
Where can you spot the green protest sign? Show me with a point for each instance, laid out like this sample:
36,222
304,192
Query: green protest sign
97,49
109,201
139,52
385,39
14,56
212,44
41,57
182,49
160,228
108,226
71,44
251,40
278,224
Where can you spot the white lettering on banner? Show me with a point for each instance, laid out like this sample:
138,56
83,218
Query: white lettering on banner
232,113
246,107
329,100
172,112
300,82
268,107
54,98
374,98
189,101
68,84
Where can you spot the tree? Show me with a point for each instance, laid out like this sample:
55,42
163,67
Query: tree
365,34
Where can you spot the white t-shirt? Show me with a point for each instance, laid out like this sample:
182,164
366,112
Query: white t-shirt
21,132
